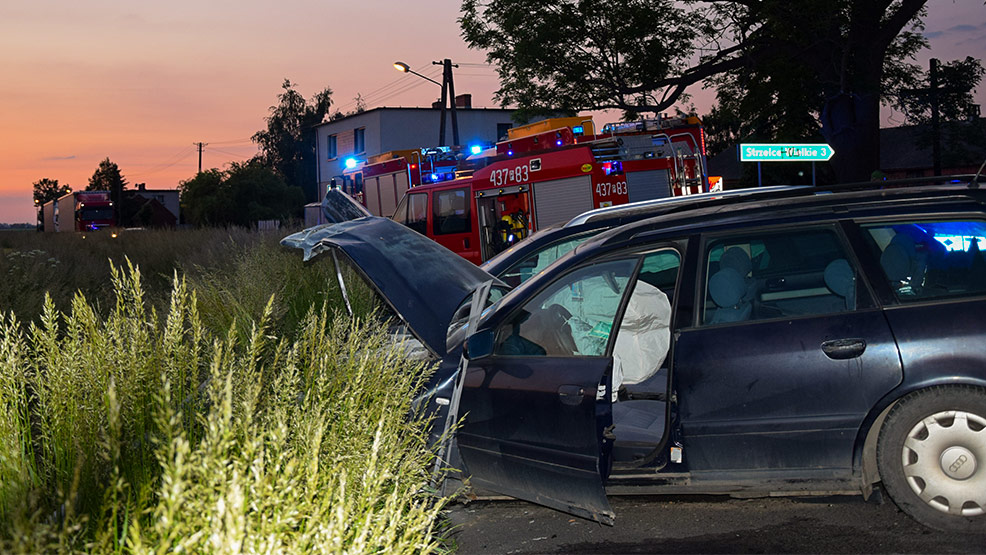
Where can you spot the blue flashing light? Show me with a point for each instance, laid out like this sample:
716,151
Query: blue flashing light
510,153
475,149
558,142
350,163
434,177
612,168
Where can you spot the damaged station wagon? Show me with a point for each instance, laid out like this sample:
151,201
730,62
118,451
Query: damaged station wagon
783,343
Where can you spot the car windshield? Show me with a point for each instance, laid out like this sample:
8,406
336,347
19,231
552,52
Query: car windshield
534,263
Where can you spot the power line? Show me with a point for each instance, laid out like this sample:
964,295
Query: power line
180,157
228,153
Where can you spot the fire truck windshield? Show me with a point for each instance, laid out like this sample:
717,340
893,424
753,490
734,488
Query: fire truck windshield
96,213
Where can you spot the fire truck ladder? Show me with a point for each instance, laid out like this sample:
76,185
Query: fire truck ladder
680,157
607,150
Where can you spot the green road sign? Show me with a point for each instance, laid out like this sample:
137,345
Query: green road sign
797,152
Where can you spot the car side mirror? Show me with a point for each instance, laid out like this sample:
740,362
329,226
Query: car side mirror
479,345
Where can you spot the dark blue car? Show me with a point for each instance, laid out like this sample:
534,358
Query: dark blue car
787,343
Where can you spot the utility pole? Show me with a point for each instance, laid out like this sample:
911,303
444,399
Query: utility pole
201,145
933,93
935,118
448,99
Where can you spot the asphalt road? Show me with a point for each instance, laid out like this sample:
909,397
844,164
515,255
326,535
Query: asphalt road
694,524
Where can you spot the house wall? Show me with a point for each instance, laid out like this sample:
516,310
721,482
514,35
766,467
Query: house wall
387,129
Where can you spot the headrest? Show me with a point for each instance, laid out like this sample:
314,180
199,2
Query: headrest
727,287
896,262
737,259
839,277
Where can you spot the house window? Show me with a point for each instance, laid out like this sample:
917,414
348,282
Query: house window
501,130
332,152
359,140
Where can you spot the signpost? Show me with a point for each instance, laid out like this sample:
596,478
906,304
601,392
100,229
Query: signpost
786,152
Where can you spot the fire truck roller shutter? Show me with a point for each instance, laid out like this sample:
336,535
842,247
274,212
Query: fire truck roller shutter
388,195
648,185
400,188
371,194
560,200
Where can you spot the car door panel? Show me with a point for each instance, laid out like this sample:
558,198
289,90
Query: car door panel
532,429
752,403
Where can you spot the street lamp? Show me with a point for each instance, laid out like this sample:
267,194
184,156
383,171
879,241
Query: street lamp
404,68
448,95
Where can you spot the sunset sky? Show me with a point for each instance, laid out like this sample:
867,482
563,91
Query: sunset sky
140,82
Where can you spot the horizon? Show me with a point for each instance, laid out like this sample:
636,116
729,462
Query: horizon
141,84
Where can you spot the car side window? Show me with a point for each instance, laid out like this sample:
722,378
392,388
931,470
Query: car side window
573,316
779,274
451,210
534,263
930,260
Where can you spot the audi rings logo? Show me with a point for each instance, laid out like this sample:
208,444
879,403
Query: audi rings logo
957,464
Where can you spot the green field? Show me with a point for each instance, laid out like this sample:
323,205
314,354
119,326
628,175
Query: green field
202,391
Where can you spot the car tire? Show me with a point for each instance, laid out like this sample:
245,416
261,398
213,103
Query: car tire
932,457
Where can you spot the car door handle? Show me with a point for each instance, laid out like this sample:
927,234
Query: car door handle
571,394
842,349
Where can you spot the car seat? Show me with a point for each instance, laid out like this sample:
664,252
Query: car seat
728,290
841,280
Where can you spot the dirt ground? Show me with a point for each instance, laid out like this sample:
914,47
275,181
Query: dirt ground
705,524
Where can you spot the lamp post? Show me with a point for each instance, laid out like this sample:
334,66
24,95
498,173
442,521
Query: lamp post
448,95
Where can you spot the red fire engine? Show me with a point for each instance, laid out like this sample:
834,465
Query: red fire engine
543,174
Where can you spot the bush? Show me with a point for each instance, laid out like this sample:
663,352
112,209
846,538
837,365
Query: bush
139,433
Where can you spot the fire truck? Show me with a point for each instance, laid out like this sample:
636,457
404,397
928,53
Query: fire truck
479,203
80,211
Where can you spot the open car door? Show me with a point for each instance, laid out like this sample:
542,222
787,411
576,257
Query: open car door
533,428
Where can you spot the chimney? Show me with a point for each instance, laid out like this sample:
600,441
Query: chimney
463,101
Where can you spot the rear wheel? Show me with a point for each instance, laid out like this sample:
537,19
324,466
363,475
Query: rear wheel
932,457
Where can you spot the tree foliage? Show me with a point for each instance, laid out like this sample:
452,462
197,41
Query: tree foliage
107,177
47,190
573,55
782,69
241,195
956,81
288,143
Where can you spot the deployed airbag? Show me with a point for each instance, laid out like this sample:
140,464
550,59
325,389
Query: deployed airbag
644,336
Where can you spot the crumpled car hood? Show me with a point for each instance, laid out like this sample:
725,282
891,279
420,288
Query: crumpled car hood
421,280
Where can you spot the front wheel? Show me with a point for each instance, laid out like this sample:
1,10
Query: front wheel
932,457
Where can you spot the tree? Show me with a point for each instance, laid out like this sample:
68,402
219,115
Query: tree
241,195
47,190
107,177
288,143
961,133
205,199
795,68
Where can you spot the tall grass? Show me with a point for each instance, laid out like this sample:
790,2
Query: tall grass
136,432
234,271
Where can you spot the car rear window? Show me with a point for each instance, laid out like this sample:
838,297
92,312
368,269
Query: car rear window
931,259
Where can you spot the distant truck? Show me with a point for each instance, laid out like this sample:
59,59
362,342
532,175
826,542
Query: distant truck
80,211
